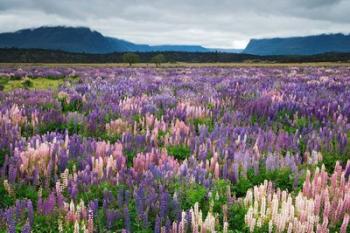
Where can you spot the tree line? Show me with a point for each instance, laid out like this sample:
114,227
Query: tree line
14,55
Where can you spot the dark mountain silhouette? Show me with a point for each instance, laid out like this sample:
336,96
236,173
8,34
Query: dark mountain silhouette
307,45
85,40
81,40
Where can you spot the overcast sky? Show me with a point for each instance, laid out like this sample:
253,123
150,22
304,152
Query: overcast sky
211,23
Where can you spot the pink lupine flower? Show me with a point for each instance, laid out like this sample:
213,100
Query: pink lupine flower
117,127
345,223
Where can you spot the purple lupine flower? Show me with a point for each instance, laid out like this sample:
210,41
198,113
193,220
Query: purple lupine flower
93,205
12,173
120,198
27,228
73,190
157,227
10,220
167,225
60,200
139,201
30,212
49,204
126,197
164,198
19,209
40,204
36,178
111,217
127,219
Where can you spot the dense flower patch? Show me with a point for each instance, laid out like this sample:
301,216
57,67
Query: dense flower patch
176,150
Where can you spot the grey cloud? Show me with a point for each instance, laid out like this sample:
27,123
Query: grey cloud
225,23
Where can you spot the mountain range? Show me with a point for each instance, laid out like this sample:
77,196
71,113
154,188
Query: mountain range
85,40
306,45
82,40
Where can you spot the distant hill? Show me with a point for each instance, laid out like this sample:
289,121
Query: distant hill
219,50
81,40
307,45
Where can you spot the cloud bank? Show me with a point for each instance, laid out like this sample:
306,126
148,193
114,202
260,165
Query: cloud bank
216,24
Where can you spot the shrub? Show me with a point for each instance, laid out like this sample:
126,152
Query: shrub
131,58
180,152
27,83
158,59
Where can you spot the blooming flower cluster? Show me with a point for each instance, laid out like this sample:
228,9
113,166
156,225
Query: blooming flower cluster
322,203
176,150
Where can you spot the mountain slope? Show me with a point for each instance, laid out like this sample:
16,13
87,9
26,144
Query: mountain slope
57,38
307,45
81,39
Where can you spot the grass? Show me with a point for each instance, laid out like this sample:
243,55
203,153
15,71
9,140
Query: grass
37,83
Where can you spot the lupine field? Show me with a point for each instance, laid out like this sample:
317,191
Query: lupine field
175,150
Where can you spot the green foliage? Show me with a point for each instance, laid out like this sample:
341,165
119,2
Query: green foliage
51,127
206,121
263,229
180,152
136,222
24,191
72,163
329,159
219,194
130,154
210,106
137,118
45,224
160,137
332,154
282,178
6,199
51,77
37,83
112,138
131,58
3,153
27,83
258,119
241,187
110,116
95,192
192,193
3,82
71,106
75,127
158,59
284,121
302,145
27,130
236,218
336,227
47,106
159,113
288,121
